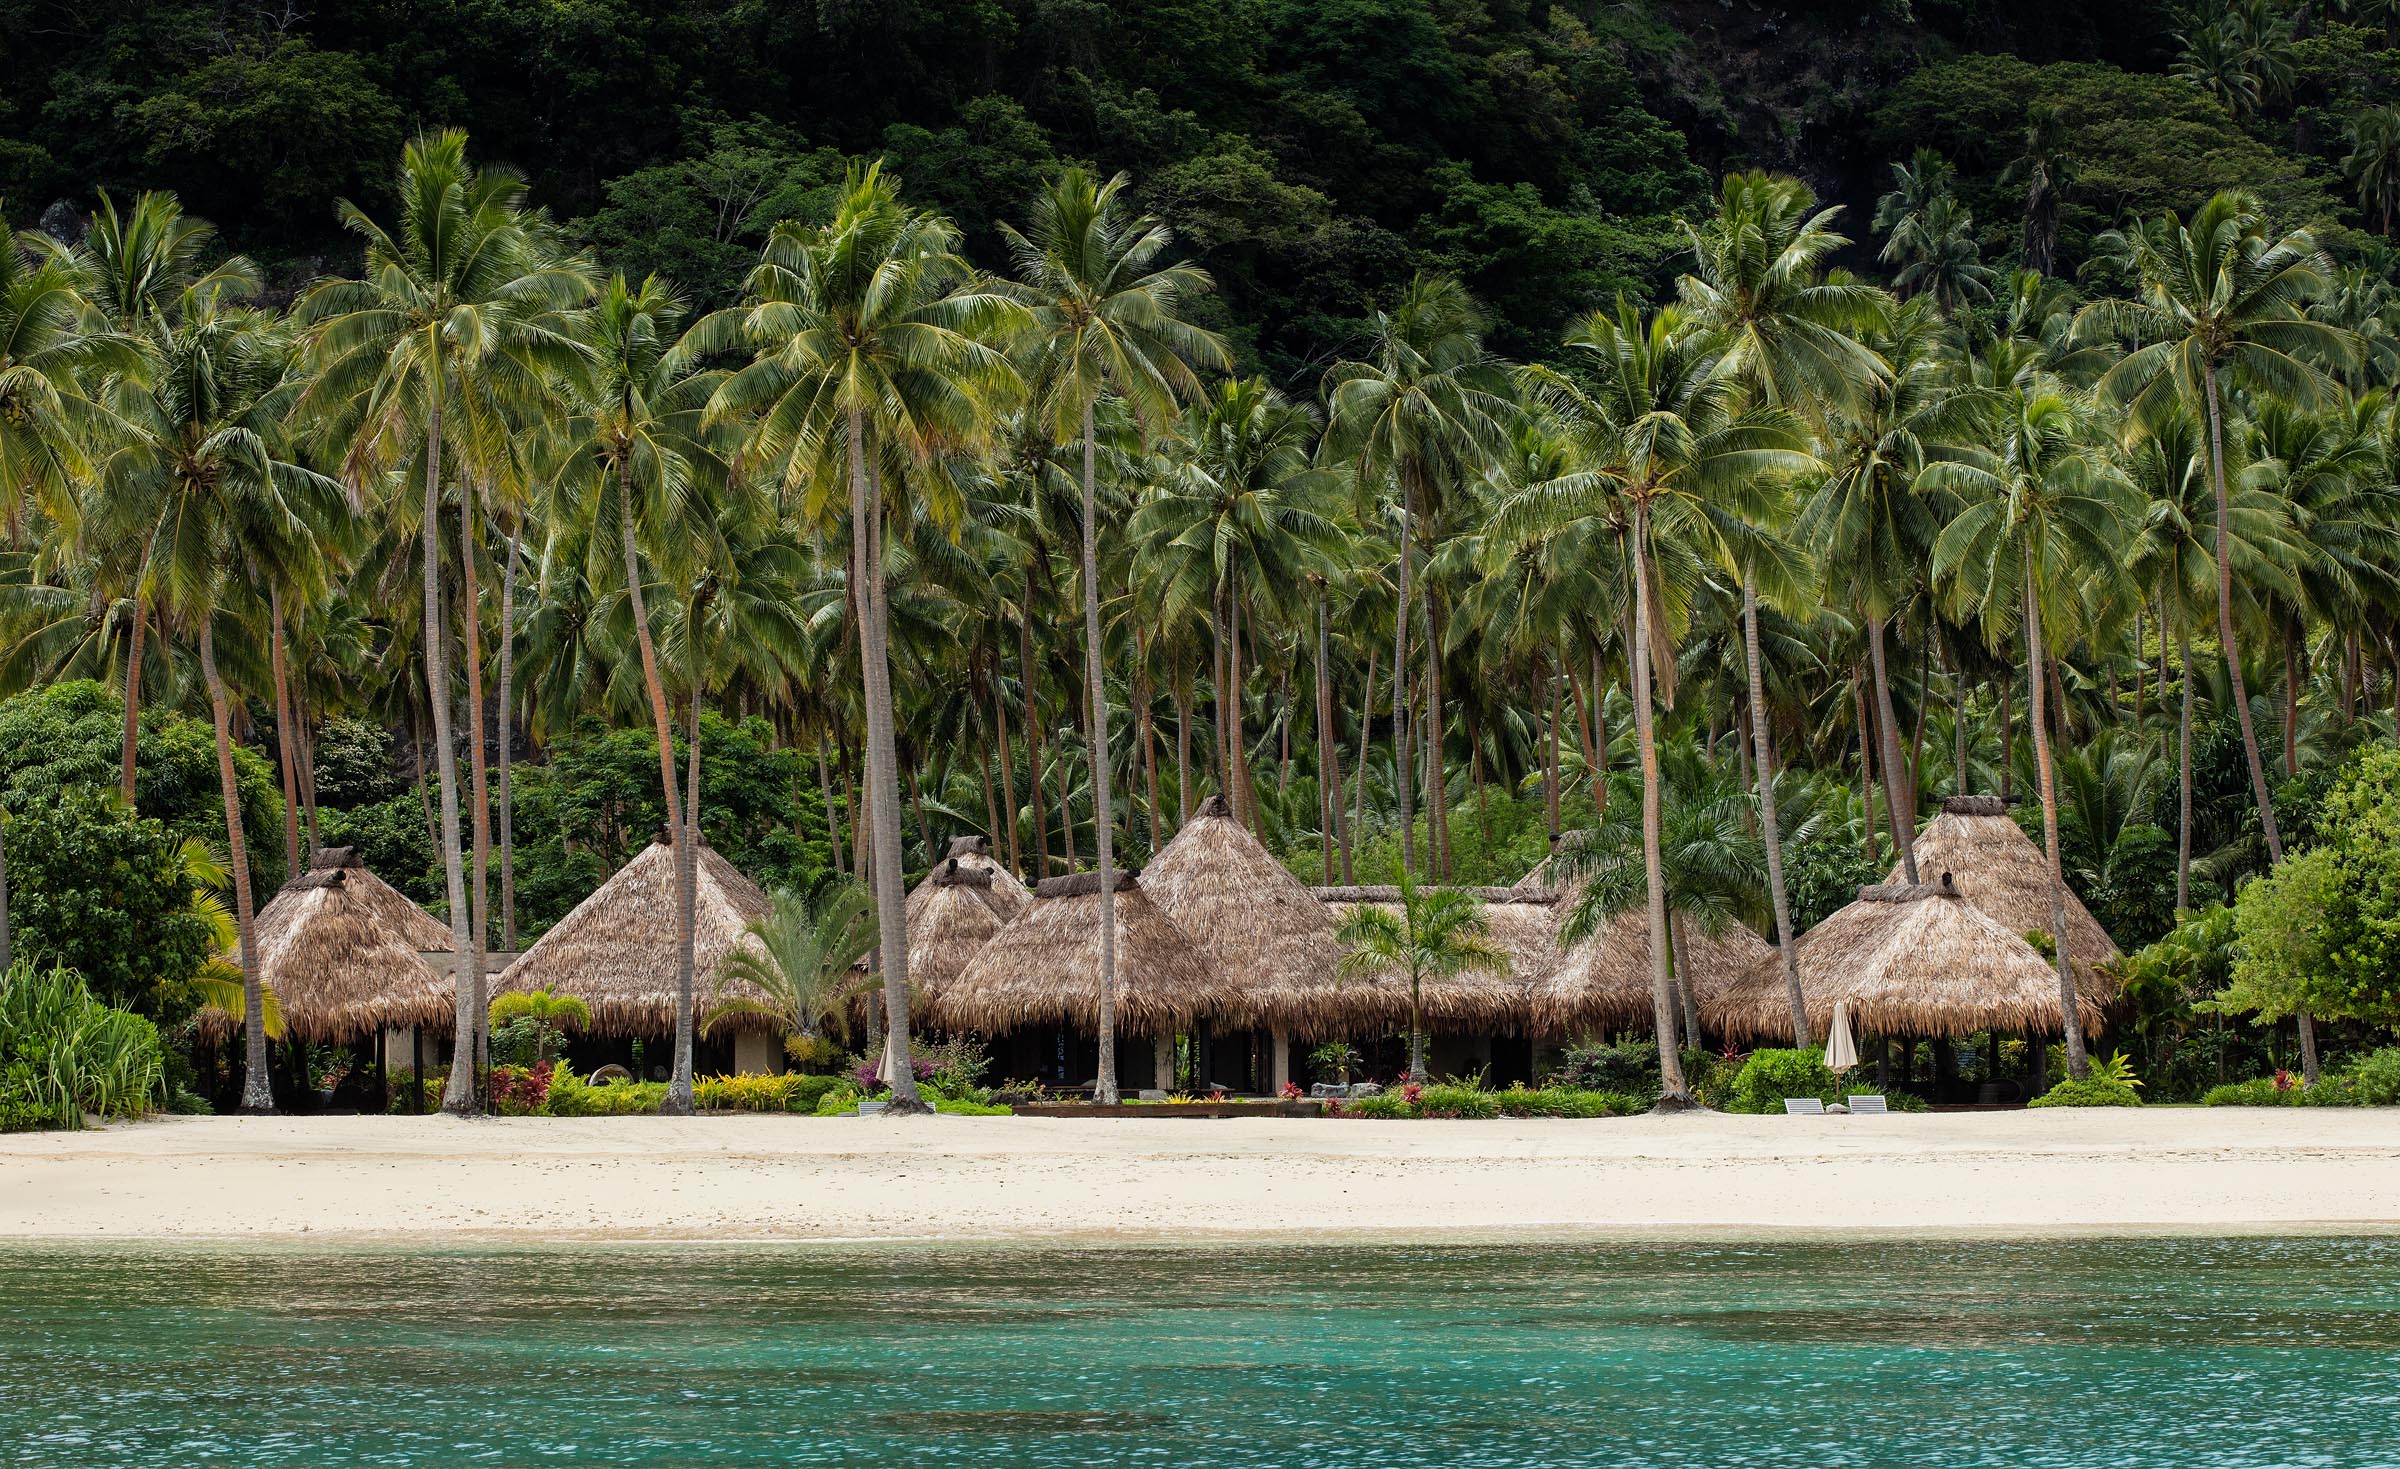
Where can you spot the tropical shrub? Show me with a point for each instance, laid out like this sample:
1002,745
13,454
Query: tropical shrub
1467,1100
2092,1091
791,1092
63,1053
107,895
528,1026
842,1098
521,1091
1563,1101
571,1096
2377,1077
1630,1067
1772,1074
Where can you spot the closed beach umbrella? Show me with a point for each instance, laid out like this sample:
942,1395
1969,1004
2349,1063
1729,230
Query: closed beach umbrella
1841,1052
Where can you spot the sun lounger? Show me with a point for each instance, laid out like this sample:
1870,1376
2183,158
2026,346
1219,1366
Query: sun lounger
1803,1107
1868,1107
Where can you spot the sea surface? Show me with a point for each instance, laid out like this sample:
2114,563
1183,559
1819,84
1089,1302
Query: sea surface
2168,1353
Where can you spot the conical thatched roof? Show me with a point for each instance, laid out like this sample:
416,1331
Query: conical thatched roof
616,951
1911,961
337,969
2003,872
1044,968
1006,894
1261,928
951,917
1523,927
1603,983
417,928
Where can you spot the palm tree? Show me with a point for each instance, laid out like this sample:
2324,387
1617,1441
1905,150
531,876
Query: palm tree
1666,432
227,503
2043,519
2045,170
2373,163
875,362
457,319
553,1015
639,436
1108,316
806,961
2222,301
1422,415
1434,934
1931,237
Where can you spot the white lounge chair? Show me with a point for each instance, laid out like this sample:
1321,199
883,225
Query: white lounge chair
1868,1107
1803,1107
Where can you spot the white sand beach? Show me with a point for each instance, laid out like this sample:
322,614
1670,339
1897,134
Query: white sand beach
759,1177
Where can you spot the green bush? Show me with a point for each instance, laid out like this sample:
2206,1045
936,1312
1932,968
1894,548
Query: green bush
1461,1100
107,894
1454,1099
2377,1077
1772,1074
2093,1091
791,1092
571,1096
1563,1101
1381,1106
841,1098
962,1107
63,1053
2344,1090
1631,1068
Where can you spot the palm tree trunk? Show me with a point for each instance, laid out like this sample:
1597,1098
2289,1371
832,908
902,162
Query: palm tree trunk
257,1091
833,833
1183,749
1437,721
1768,820
1103,810
1366,735
458,1095
662,725
2183,775
1416,1028
2078,1066
1144,696
1958,730
470,610
508,740
133,696
1866,765
1033,732
286,757
1400,745
1329,791
687,880
883,781
2008,739
1895,776
1674,1095
2225,630
1008,770
2291,702
1682,981
1551,777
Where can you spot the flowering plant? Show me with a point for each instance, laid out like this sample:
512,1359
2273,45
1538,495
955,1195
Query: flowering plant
2283,1080
1292,1092
1411,1092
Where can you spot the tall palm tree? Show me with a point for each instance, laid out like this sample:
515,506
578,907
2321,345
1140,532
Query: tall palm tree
805,965
1420,415
2042,522
458,317
228,501
2373,162
1435,934
1666,431
1107,310
876,359
641,446
2222,302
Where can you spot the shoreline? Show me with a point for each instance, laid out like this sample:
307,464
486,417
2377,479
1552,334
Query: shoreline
742,1180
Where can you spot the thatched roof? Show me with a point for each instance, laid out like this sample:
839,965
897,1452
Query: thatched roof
1525,928
1911,961
419,929
338,970
1603,983
1044,968
617,950
1261,928
1006,894
2003,872
950,918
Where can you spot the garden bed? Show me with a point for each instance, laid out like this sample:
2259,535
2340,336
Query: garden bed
1264,1107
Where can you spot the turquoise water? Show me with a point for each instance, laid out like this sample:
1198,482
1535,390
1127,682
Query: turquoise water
2153,1352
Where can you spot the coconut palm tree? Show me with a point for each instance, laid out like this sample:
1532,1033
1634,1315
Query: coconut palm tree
458,318
1107,310
2373,162
1420,415
2222,303
1435,934
1666,431
876,361
2043,518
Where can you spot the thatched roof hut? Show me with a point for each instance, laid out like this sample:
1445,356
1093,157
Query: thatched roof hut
1911,961
1603,983
1260,927
2004,872
1007,895
417,928
616,951
338,969
1524,927
951,916
1044,968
